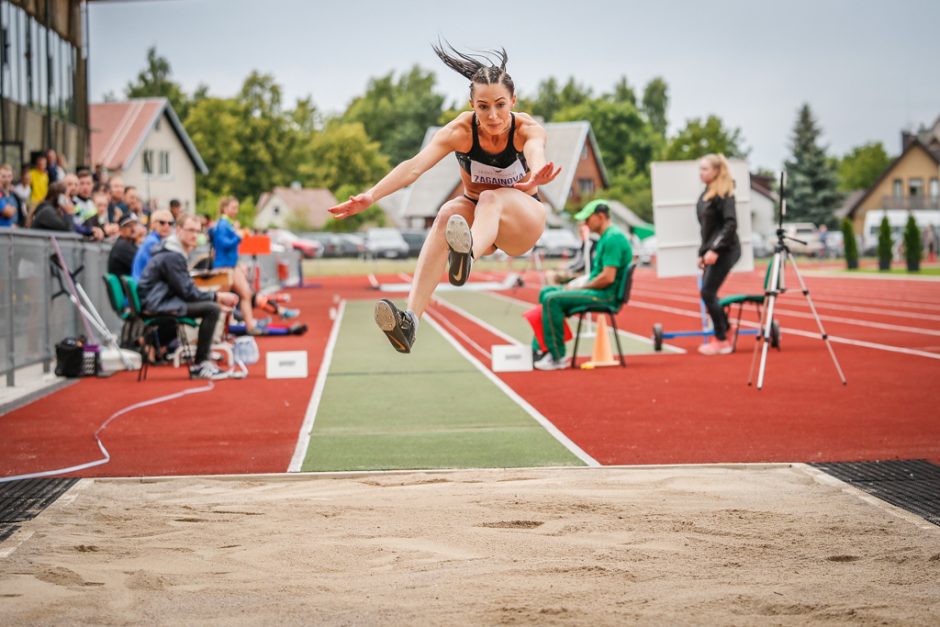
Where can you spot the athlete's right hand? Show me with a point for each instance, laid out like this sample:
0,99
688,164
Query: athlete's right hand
355,204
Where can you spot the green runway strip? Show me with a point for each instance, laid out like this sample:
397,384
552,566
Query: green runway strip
431,409
506,316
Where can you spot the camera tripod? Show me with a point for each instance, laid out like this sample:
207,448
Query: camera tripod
777,286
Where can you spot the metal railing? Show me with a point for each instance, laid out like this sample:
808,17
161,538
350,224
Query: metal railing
910,203
32,322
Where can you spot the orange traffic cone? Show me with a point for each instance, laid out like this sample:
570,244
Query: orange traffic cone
603,355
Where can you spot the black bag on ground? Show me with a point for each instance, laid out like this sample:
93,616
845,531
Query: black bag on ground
69,357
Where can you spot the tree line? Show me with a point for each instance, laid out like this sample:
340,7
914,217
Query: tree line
254,141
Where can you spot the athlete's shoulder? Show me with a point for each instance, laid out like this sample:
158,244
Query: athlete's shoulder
527,124
457,130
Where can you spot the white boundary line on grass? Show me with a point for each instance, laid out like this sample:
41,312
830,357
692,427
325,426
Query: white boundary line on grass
815,335
306,429
508,391
635,336
483,323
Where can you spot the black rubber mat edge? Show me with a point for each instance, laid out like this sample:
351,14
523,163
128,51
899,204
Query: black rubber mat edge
912,485
24,500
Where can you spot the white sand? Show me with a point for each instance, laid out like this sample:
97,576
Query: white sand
674,545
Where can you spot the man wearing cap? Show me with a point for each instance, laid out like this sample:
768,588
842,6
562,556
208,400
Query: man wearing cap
121,258
612,257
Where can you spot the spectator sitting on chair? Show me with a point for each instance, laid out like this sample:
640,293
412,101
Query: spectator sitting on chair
39,179
100,198
121,258
84,205
10,207
162,222
24,191
166,288
135,205
55,214
612,258
176,208
117,207
225,240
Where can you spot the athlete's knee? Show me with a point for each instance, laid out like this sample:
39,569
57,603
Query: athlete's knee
489,199
708,294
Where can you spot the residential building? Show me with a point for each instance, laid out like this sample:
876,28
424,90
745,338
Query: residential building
144,142
911,182
763,207
294,208
571,145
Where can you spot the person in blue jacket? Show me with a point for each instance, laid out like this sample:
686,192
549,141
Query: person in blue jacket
225,239
161,225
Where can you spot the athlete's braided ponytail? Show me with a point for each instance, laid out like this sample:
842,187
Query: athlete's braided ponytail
487,68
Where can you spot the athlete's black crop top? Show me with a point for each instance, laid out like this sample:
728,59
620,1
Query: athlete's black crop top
501,161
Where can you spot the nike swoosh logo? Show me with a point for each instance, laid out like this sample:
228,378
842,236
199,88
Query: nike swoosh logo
459,274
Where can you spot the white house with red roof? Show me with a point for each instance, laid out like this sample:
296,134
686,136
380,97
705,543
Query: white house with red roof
144,142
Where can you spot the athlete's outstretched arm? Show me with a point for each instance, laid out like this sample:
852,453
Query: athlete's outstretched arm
534,151
402,175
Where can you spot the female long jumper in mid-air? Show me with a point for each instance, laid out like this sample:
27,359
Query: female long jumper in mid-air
502,164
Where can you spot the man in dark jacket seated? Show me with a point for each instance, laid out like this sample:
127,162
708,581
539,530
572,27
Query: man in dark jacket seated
166,288
121,257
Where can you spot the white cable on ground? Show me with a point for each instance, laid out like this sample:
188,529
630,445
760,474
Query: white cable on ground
104,425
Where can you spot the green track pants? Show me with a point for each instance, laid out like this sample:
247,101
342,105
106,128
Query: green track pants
557,305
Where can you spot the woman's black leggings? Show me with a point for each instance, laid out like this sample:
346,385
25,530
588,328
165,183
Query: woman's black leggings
713,277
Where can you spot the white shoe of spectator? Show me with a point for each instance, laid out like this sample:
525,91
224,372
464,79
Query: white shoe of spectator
206,370
547,362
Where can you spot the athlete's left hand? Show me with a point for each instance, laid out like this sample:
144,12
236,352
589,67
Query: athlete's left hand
710,258
544,176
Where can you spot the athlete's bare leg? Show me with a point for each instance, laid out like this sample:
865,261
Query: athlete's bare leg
509,219
433,257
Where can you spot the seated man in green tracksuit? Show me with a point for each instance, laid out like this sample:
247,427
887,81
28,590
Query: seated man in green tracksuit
612,257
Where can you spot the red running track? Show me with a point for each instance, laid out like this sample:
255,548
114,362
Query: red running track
690,408
663,408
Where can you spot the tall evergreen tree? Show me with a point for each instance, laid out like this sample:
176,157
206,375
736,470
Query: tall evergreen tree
812,193
656,103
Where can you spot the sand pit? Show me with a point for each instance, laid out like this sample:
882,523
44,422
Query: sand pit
674,545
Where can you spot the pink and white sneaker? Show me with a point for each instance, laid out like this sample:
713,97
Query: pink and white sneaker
716,347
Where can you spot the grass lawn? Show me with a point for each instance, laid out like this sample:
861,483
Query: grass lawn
924,271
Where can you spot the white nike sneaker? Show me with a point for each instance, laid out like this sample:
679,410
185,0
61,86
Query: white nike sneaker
460,241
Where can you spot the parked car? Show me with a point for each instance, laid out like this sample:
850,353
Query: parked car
558,243
330,241
835,244
805,232
415,240
309,248
351,245
385,242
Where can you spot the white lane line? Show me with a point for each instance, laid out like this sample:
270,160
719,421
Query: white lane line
483,323
306,429
635,336
815,335
466,339
404,276
508,391
825,317
890,308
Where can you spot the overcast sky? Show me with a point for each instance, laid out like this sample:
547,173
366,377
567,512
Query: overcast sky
868,68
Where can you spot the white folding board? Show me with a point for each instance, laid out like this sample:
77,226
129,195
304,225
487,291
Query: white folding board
676,188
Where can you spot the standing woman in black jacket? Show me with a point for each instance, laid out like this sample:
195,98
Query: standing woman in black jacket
720,248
